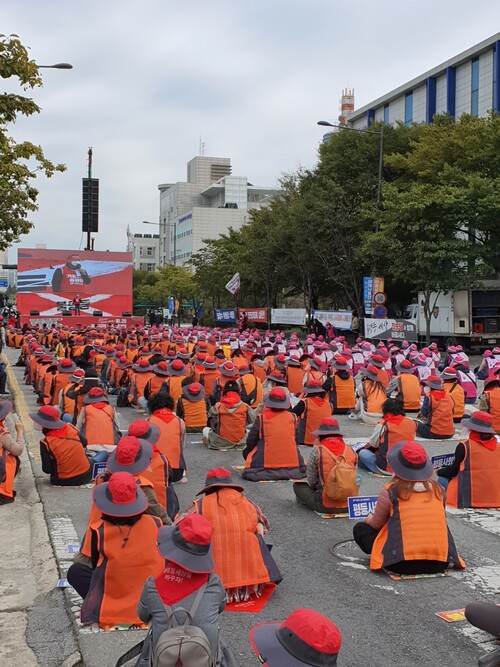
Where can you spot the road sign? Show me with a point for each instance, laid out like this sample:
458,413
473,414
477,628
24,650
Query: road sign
380,298
380,312
4,283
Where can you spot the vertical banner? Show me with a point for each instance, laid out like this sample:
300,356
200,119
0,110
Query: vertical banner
368,294
233,285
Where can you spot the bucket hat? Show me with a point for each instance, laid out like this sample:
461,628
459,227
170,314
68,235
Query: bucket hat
194,392
121,496
123,363
410,462
188,544
340,363
276,377
210,364
405,367
219,477
244,370
142,365
293,360
370,372
328,426
420,360
78,375
176,367
449,373
95,395
482,422
66,365
47,416
313,387
305,638
277,398
130,455
161,368
434,382
144,430
228,370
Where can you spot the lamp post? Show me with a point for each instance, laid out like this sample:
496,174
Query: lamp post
56,66
167,224
380,133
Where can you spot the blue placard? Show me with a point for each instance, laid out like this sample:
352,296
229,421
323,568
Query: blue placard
442,460
73,548
361,506
225,315
4,283
98,469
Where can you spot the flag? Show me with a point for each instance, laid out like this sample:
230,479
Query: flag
233,285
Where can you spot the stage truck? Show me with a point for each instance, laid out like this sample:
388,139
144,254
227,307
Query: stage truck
74,287
468,317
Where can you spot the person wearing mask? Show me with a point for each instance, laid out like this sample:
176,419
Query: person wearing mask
193,407
472,479
10,451
437,411
371,395
407,387
188,582
97,424
238,526
394,427
228,420
271,451
327,449
407,532
172,433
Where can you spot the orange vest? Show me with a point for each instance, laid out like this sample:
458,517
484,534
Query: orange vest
342,393
239,362
67,452
493,400
458,395
440,417
476,484
99,360
60,381
195,413
171,438
416,530
259,370
99,425
276,446
310,419
155,383
68,394
174,384
139,382
18,340
383,377
122,570
251,388
231,422
392,434
325,464
208,378
236,543
158,473
374,397
410,391
294,379
45,386
131,353
9,466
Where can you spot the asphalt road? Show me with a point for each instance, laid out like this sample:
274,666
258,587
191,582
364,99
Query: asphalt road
383,622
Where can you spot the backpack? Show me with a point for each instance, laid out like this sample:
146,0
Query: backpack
341,482
122,398
183,645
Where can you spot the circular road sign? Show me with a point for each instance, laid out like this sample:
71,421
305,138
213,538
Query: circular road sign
380,298
380,312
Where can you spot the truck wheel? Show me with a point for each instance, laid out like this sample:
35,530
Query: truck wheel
450,341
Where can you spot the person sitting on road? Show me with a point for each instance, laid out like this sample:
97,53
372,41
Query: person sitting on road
486,617
472,479
394,427
238,526
371,394
62,449
188,582
68,396
251,389
451,385
305,637
172,432
490,400
437,411
228,420
407,387
193,407
10,451
407,533
271,451
311,409
97,424
328,447
342,388
123,554
142,373
154,384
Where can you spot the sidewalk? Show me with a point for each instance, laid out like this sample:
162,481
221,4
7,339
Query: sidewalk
35,628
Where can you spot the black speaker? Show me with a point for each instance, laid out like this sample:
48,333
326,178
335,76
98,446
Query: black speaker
66,312
97,313
34,312
126,314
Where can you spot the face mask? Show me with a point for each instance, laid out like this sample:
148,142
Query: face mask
427,390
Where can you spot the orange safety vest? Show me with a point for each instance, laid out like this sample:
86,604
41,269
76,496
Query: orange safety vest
440,417
231,422
391,434
66,450
239,362
374,397
493,401
18,340
416,530
310,419
45,387
174,384
155,383
342,394
294,379
476,484
195,413
131,353
259,370
68,394
208,379
171,437
60,381
128,555
276,446
325,464
99,425
237,546
99,360
383,377
458,395
139,382
251,389
410,391
158,474
9,465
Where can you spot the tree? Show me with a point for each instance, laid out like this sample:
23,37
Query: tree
21,162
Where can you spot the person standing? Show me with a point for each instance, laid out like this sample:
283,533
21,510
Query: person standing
77,302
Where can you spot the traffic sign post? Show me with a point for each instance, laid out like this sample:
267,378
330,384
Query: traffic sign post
380,298
4,282
380,312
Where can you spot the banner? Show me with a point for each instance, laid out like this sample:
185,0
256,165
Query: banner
225,315
442,461
72,283
296,316
368,294
396,329
257,315
233,285
361,506
340,319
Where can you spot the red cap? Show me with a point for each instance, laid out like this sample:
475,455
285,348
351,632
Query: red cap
195,388
66,363
50,411
195,529
313,629
278,393
122,488
143,363
127,450
177,365
414,453
405,363
96,391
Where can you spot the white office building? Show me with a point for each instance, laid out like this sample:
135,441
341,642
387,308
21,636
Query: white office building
204,207
145,249
467,83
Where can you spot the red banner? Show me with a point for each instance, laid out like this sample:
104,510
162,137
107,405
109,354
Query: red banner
57,283
256,315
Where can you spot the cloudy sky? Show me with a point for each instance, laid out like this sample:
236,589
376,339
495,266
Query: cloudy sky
251,79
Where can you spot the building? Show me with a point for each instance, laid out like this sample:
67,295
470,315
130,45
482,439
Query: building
204,207
467,83
145,249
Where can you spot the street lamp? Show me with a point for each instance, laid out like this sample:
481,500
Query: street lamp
380,133
56,66
167,224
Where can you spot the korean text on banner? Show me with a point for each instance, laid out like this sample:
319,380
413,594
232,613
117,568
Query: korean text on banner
361,506
368,294
338,319
442,461
296,316
387,328
258,315
225,315
233,285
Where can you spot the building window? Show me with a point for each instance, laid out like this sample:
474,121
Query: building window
474,92
408,109
386,114
149,252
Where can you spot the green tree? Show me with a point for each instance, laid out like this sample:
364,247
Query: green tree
21,162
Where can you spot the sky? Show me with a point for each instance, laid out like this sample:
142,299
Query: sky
151,78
